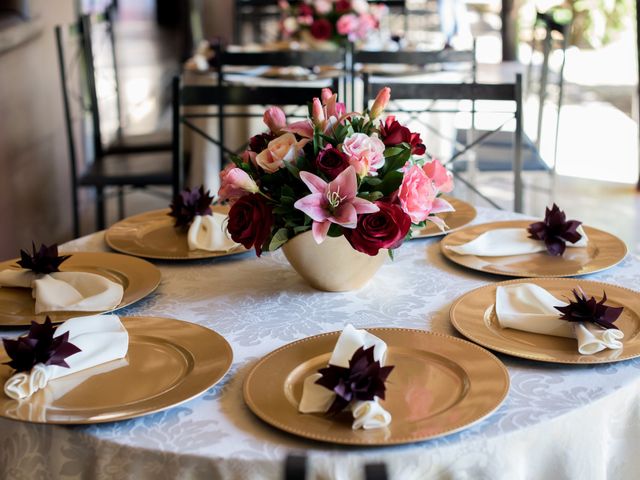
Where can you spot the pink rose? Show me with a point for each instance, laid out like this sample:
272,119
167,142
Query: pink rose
366,153
275,119
235,183
439,175
284,148
417,194
347,24
366,24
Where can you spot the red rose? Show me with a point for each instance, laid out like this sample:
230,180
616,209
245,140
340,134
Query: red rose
393,132
321,29
331,161
305,10
259,142
383,229
343,6
250,221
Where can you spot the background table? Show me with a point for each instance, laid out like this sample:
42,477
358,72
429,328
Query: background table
557,421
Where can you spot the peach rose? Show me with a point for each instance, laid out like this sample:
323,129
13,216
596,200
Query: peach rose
366,153
284,148
417,194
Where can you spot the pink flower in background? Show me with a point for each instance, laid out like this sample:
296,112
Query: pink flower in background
366,153
366,24
380,103
323,6
333,202
275,119
418,195
439,175
347,24
283,148
235,183
305,20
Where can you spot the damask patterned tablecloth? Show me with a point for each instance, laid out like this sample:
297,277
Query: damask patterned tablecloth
557,421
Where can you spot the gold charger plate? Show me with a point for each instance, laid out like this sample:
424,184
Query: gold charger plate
464,214
440,385
169,362
152,235
473,315
603,251
138,277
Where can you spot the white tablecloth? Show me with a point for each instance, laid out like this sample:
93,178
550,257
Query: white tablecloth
558,422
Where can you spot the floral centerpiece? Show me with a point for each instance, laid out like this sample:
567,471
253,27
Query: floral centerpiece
331,20
333,175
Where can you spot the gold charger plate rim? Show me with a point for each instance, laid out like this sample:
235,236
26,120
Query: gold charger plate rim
454,258
140,267
130,325
500,397
583,359
111,239
468,211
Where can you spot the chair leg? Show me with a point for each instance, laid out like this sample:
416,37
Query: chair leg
120,202
100,209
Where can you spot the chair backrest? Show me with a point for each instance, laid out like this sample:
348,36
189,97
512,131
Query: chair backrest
415,57
279,58
222,96
473,92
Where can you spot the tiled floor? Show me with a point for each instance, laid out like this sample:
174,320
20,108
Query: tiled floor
598,140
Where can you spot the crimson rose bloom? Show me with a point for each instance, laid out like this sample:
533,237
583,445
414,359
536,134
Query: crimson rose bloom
393,133
250,221
383,229
259,142
343,6
331,161
305,10
321,29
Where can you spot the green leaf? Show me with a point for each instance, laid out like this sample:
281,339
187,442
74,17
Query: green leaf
292,169
391,182
335,230
371,196
373,181
301,228
279,239
390,251
392,151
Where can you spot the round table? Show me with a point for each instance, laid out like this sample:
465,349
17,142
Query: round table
557,421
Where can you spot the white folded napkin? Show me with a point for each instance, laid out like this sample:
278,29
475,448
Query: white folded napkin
528,307
207,232
508,241
66,291
100,338
316,398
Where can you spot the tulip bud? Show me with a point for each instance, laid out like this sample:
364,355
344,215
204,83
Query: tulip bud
275,119
317,112
380,103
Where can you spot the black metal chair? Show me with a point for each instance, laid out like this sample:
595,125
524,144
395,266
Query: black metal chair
473,92
99,35
255,13
99,170
187,98
295,467
375,471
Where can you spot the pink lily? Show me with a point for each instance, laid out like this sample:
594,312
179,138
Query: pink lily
333,202
303,128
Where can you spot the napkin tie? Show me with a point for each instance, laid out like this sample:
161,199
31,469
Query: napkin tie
207,232
101,339
530,308
508,241
66,291
315,398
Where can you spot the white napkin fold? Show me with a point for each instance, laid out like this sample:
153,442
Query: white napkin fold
207,232
316,398
528,307
66,291
101,339
508,241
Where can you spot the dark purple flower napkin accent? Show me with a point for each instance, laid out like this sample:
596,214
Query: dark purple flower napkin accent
590,310
363,380
555,230
39,346
43,260
189,203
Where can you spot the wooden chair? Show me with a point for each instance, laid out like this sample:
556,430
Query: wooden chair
99,33
99,170
474,92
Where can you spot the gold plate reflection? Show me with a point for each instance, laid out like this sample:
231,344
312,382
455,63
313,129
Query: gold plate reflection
138,277
169,362
463,215
603,251
474,317
152,235
440,385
